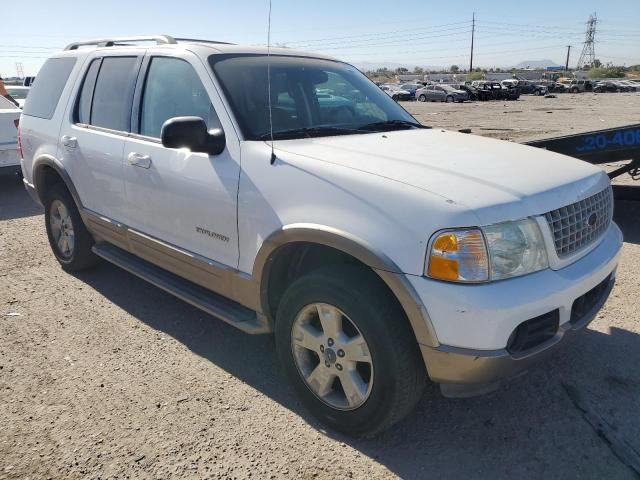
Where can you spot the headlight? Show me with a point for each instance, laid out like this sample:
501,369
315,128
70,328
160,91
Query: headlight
492,253
515,248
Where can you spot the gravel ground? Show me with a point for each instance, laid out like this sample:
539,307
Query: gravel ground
104,376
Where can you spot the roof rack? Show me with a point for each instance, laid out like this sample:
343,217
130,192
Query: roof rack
110,42
198,40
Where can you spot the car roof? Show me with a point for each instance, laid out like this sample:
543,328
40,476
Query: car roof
202,46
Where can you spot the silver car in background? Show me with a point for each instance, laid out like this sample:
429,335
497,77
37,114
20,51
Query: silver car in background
441,93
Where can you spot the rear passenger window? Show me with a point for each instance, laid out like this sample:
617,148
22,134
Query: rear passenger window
113,93
173,89
45,93
83,112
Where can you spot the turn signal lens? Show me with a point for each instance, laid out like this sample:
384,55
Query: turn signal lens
459,256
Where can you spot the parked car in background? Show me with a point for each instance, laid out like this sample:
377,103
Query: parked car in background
580,85
475,93
557,87
9,120
632,86
441,93
396,93
525,87
605,86
18,93
411,88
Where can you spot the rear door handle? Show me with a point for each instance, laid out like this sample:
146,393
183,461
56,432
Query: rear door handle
139,160
69,142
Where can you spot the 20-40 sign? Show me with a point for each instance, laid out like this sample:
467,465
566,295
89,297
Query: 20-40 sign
602,141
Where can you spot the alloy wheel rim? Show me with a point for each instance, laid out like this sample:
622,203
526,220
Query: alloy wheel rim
62,228
332,356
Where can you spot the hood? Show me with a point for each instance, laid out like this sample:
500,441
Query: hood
496,179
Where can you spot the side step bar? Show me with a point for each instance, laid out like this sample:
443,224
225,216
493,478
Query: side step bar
231,312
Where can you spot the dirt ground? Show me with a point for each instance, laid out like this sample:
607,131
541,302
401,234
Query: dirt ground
105,376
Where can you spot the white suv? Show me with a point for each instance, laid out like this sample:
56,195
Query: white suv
378,250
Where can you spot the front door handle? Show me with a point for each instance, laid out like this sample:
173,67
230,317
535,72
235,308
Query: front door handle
69,141
139,160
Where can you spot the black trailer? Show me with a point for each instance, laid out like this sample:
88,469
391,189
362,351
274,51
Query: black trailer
602,146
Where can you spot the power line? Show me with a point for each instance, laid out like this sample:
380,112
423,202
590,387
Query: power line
434,28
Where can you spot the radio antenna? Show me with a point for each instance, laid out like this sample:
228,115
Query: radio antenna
273,155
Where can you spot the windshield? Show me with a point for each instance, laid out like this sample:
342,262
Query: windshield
309,96
18,93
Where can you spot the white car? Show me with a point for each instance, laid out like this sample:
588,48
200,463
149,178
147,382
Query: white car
9,118
380,252
396,93
18,93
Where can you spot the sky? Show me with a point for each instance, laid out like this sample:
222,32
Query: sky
365,33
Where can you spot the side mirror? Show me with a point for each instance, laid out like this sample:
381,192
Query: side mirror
192,133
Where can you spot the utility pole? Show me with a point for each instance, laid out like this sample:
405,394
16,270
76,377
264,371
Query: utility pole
473,31
566,66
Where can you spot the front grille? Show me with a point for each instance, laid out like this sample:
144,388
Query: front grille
534,332
576,226
583,305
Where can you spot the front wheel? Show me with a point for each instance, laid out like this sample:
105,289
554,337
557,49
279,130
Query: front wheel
348,350
536,93
422,98
449,99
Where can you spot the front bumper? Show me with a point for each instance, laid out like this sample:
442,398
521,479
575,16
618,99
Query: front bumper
475,322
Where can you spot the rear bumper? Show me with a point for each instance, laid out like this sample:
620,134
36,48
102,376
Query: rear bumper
31,190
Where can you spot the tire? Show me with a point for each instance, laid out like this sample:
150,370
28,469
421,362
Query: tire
574,90
394,98
393,385
74,254
422,98
449,99
536,93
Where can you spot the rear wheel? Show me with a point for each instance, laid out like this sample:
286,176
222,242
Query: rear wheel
422,98
347,349
449,99
394,98
69,239
536,93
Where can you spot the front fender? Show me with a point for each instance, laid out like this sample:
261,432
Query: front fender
347,243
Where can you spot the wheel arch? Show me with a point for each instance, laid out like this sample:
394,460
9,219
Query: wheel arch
46,171
275,253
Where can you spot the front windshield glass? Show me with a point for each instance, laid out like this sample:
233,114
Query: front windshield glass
310,97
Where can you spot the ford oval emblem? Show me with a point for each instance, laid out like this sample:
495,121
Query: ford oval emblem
591,220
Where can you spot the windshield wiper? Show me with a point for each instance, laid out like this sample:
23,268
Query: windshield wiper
391,125
308,132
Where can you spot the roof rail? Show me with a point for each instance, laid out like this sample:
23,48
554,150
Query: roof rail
110,42
198,40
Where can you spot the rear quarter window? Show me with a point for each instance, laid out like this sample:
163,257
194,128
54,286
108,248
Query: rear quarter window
45,93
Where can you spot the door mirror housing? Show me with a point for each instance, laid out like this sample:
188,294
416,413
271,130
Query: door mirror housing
192,133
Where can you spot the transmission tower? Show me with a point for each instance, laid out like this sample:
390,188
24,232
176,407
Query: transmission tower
19,70
588,55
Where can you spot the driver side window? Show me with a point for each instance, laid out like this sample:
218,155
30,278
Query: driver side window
173,89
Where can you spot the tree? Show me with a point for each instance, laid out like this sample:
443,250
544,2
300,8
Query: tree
454,69
401,70
418,70
474,76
